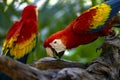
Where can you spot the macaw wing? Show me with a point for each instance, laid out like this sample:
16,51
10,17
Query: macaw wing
11,37
26,40
92,20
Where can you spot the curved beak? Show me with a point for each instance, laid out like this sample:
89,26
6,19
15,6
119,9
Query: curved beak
49,52
60,54
52,52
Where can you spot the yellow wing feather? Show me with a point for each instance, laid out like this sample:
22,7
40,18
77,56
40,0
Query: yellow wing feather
102,14
20,49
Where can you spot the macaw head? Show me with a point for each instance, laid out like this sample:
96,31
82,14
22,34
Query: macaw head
30,12
55,45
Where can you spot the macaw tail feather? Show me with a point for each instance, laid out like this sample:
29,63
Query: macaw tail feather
23,59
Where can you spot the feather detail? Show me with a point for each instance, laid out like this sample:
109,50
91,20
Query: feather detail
21,49
11,37
102,14
92,19
22,40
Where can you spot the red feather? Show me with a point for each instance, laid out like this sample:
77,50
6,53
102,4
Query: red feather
83,22
21,37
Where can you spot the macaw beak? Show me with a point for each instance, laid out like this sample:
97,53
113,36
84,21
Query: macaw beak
60,54
49,52
52,52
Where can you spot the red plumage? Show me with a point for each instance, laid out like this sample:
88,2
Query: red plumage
90,25
70,38
12,30
85,19
29,27
21,38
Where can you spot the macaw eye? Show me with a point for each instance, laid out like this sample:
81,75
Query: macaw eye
55,42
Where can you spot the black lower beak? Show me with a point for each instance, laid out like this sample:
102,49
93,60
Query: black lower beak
60,54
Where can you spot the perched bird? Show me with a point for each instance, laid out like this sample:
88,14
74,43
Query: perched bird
91,24
22,37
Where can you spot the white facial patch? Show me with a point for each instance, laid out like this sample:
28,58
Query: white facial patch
58,45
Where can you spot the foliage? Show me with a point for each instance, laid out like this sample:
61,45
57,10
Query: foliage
53,16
